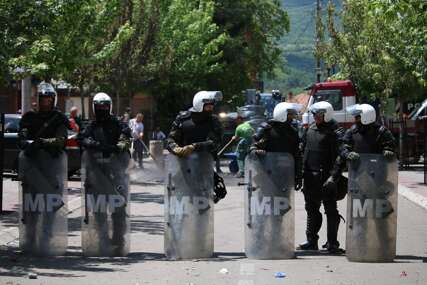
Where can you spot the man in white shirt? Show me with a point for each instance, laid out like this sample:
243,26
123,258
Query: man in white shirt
137,128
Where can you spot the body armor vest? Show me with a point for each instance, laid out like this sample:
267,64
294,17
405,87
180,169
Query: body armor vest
282,138
367,141
319,153
195,131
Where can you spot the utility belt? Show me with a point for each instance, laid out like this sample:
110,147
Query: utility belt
315,178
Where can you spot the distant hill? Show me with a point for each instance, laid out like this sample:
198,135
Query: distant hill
298,45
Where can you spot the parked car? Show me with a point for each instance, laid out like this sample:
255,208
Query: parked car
11,148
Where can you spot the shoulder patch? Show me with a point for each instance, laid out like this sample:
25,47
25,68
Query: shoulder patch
183,115
265,125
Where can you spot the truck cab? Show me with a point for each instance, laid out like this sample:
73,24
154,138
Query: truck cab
340,94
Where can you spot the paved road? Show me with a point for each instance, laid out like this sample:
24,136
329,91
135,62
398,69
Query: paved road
146,263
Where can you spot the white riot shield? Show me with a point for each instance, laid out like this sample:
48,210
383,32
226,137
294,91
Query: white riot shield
43,226
105,204
189,207
269,206
372,209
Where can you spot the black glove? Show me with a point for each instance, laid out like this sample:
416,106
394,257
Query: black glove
219,188
298,183
31,148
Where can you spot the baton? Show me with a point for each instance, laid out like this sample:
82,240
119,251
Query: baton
225,147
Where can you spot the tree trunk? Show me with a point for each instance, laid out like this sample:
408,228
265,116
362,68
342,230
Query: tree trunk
82,101
117,104
401,131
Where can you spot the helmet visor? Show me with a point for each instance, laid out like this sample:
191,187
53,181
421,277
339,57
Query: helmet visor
354,110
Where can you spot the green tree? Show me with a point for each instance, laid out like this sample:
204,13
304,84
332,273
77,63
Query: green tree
252,47
381,46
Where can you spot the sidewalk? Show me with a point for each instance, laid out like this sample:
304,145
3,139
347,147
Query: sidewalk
412,188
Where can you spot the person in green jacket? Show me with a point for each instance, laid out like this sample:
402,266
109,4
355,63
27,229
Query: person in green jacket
243,134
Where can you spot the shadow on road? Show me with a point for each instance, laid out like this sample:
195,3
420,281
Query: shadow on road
18,265
145,197
410,258
152,225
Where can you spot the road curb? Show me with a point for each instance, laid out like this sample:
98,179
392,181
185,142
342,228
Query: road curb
412,196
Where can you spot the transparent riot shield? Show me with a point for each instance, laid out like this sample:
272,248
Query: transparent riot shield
189,207
105,204
372,209
43,226
269,206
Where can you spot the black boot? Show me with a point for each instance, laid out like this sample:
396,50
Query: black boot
332,245
308,245
314,222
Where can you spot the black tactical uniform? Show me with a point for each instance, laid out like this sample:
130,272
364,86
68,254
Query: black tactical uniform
42,173
47,130
276,136
372,138
320,145
202,130
109,136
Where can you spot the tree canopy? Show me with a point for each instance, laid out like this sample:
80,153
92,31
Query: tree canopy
172,48
381,46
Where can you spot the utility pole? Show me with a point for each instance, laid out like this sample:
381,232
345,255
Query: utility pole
319,30
26,95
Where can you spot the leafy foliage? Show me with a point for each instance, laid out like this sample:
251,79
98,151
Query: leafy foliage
170,48
381,46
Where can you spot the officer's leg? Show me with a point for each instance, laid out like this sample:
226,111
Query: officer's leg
333,221
119,229
314,220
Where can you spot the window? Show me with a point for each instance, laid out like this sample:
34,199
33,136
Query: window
332,96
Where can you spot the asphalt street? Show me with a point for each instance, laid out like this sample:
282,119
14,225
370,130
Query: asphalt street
146,264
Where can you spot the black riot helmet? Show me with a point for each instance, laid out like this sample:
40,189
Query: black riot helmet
46,96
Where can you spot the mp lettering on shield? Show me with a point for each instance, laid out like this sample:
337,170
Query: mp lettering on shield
187,204
268,206
42,202
371,208
103,203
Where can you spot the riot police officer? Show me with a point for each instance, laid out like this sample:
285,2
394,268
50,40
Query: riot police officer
366,136
106,142
320,144
47,127
105,133
281,135
43,172
199,130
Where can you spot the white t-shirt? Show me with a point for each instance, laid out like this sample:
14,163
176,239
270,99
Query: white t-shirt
136,127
